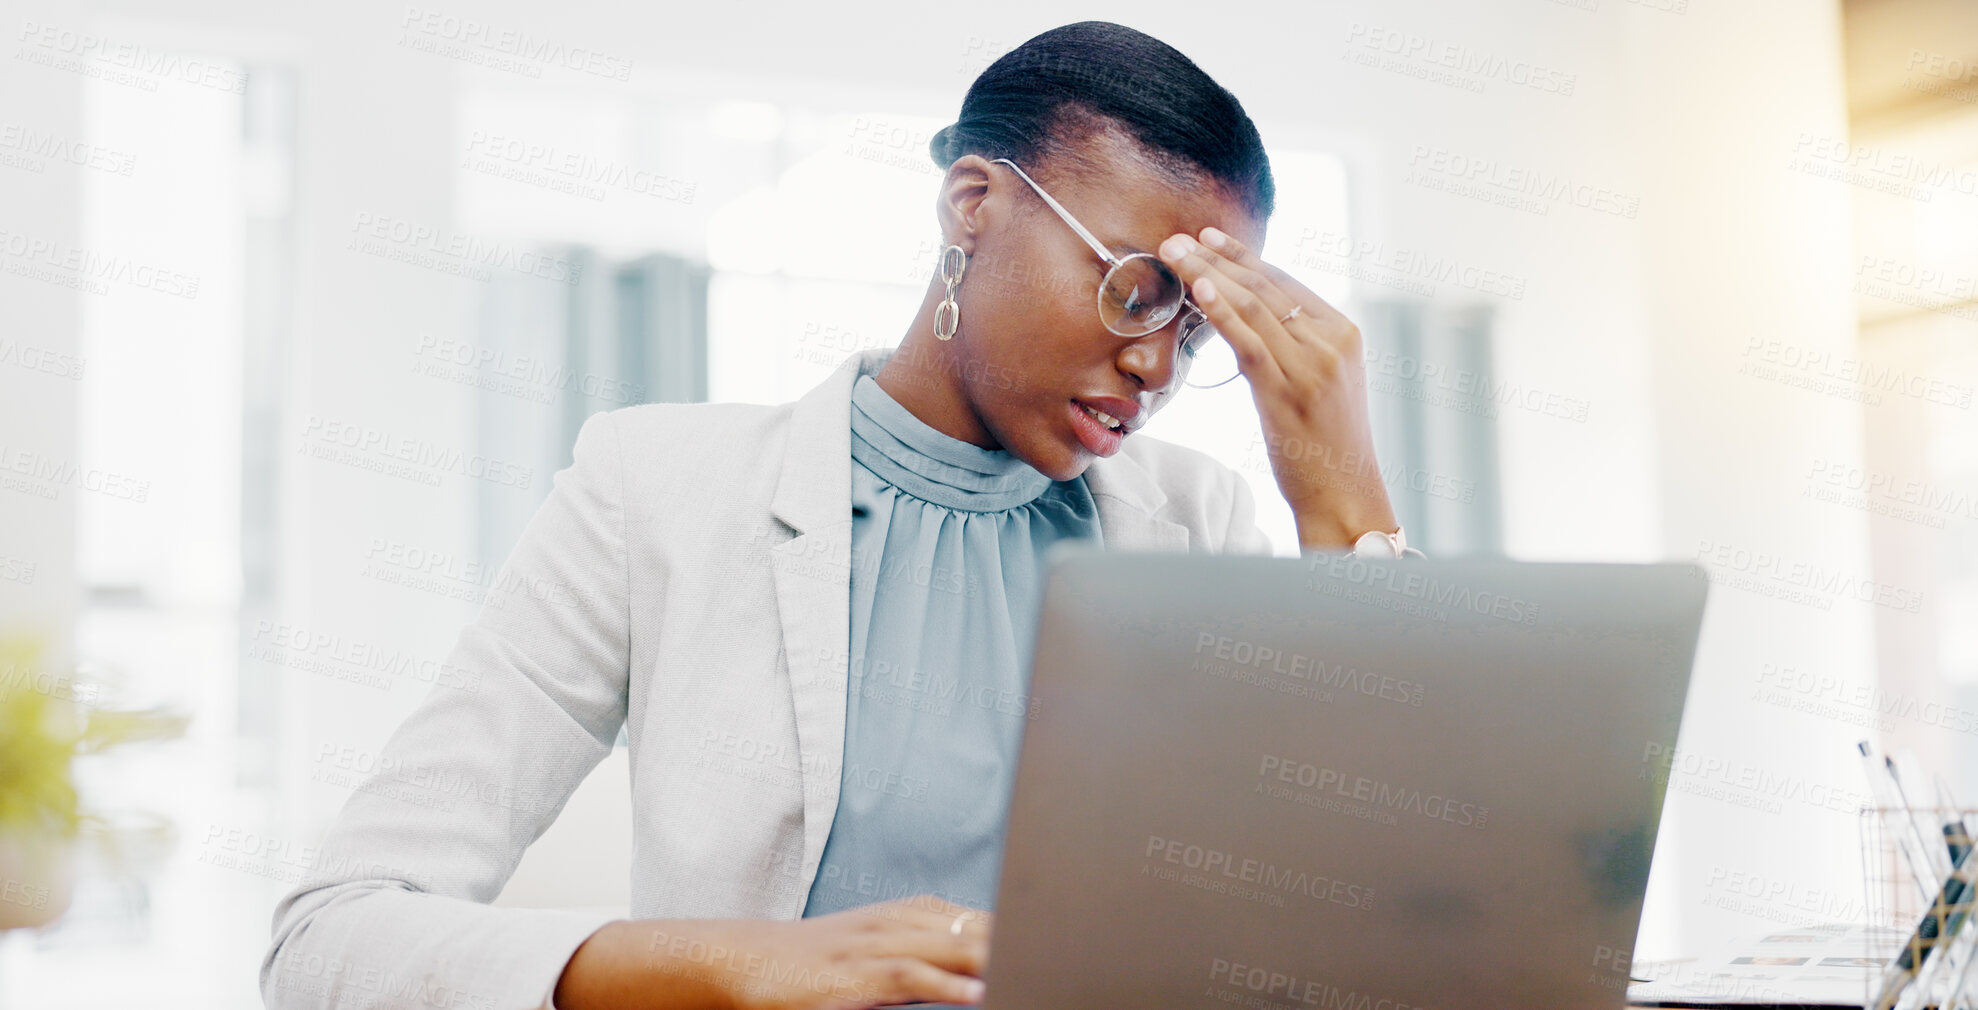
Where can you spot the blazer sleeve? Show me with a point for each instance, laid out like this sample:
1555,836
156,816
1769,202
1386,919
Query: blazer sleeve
1243,535
394,909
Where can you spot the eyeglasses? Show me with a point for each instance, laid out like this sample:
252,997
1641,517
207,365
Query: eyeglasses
1140,294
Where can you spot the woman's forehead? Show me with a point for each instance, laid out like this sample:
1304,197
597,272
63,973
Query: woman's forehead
1132,206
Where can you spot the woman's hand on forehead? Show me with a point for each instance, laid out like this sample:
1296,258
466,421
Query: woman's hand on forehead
1307,378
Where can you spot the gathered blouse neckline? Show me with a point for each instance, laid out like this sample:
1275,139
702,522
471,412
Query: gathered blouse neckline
931,465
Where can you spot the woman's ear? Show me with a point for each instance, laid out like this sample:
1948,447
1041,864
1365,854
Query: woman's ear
959,204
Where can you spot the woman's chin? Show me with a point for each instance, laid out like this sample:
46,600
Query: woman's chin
1062,461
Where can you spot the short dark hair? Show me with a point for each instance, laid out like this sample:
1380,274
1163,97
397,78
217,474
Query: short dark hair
1038,102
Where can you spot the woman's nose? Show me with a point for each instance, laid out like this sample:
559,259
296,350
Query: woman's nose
1150,359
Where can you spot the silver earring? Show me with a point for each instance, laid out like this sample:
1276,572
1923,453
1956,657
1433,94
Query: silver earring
948,315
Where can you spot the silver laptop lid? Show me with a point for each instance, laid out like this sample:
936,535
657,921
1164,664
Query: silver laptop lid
1329,782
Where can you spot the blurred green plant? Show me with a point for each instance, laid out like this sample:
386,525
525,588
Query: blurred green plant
43,728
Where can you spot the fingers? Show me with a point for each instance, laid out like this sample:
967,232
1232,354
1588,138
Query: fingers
940,913
1228,262
1228,248
1261,347
907,980
924,927
959,955
911,952
927,911
941,941
1256,296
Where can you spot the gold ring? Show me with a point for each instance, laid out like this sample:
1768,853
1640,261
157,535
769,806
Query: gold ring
1293,314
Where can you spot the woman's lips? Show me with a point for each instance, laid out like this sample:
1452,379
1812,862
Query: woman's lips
1097,438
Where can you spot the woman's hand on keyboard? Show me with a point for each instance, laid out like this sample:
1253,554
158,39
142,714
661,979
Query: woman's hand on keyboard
905,951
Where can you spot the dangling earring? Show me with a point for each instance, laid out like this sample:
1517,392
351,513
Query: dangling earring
954,260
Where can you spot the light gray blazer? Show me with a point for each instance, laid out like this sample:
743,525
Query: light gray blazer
688,578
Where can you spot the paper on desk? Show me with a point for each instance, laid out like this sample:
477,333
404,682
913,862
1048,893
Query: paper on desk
1800,966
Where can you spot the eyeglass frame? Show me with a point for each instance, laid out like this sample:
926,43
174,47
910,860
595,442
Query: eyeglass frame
1114,263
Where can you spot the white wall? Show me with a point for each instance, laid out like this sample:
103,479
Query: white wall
1743,252
40,365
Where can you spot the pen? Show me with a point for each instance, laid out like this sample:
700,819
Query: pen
1938,865
1910,842
1957,838
1946,913
1955,949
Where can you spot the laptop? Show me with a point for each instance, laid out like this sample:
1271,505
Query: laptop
1328,782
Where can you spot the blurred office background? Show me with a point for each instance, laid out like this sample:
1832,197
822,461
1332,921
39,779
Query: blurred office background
1641,279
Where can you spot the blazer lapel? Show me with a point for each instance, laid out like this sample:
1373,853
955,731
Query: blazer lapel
813,572
1127,498
813,591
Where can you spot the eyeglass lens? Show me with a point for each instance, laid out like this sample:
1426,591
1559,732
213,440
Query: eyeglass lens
1141,294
